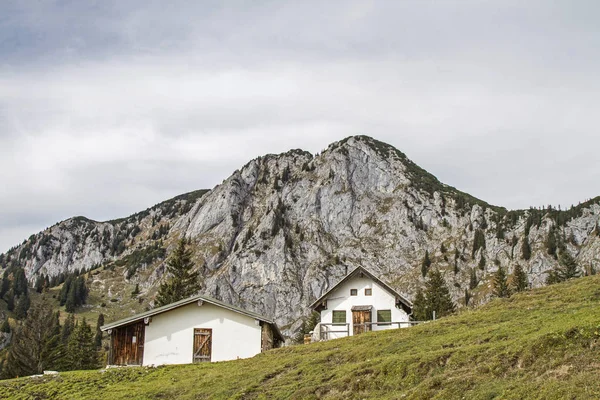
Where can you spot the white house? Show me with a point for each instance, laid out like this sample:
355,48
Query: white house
358,303
196,329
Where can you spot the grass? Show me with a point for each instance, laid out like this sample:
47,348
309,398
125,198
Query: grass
540,344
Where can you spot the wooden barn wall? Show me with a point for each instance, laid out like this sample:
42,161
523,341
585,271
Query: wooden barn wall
123,350
267,337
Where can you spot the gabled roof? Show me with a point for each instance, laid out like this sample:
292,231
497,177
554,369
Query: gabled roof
361,270
189,300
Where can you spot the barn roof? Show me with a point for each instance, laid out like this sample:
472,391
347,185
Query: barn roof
189,300
361,270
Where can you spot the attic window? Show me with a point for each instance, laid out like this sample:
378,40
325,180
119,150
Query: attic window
368,292
353,292
339,317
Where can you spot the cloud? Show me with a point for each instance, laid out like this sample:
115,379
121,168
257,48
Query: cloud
110,108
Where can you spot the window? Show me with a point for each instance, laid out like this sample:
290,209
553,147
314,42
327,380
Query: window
368,292
353,292
384,317
339,317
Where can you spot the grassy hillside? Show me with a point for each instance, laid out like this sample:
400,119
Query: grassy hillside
540,344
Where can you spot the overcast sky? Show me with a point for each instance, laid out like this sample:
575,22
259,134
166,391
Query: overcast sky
107,108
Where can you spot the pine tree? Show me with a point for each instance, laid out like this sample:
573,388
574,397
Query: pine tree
33,348
481,263
64,291
567,269
550,242
67,329
473,281
81,349
23,304
437,296
39,283
519,279
182,282
5,287
478,242
467,297
71,302
10,300
501,283
20,282
526,248
5,326
98,338
425,264
419,306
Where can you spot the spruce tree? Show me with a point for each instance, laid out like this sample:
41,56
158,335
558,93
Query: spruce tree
71,302
67,329
182,282
437,296
5,287
478,242
22,306
473,281
567,269
81,349
5,326
419,306
33,348
526,248
98,338
519,279
501,283
425,264
20,282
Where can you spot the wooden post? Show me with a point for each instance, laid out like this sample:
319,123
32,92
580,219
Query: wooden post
307,338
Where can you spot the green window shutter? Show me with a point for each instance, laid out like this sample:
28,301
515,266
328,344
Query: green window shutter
384,316
339,317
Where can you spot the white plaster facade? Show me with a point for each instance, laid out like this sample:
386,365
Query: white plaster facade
339,298
169,337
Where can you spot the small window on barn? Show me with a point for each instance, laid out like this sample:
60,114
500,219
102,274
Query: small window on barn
339,317
368,292
384,317
353,292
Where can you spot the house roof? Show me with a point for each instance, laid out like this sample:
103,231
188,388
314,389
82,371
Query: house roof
399,298
189,300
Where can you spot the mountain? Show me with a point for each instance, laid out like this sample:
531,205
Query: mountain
540,344
282,229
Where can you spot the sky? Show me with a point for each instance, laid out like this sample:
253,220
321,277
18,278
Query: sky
109,107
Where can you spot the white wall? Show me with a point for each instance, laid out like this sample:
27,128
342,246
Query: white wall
170,335
380,299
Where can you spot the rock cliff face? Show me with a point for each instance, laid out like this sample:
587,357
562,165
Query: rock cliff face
282,229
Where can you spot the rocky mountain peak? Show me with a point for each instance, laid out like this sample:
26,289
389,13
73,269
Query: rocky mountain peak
282,229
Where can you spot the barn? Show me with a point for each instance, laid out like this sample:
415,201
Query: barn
192,330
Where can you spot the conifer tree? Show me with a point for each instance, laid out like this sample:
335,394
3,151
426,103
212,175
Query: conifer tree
425,264
473,281
419,306
10,300
33,348
5,326
81,350
526,248
39,283
567,269
5,286
482,262
98,338
183,282
67,329
501,283
437,296
22,306
478,241
20,282
519,279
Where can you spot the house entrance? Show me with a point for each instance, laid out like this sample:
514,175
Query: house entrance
361,319
202,345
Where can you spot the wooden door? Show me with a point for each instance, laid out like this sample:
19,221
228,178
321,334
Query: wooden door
202,345
127,344
360,321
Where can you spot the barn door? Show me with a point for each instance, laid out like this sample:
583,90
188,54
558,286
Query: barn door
202,345
361,321
127,344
